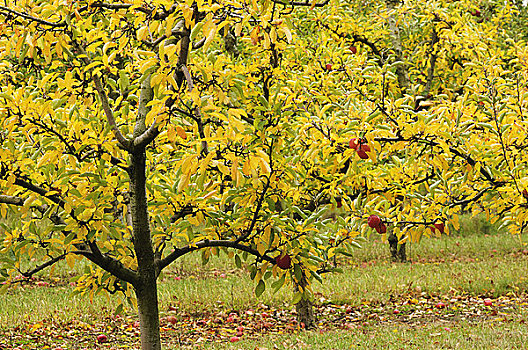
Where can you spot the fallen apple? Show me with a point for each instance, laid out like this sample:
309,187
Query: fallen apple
373,221
102,338
488,302
172,319
284,261
440,305
234,339
328,67
353,49
353,143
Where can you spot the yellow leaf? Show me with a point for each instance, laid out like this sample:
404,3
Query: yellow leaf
181,132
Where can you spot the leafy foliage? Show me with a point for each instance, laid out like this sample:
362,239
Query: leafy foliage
134,133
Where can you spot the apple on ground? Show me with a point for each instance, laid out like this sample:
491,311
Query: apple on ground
440,305
396,312
102,338
284,261
488,302
234,339
353,49
172,319
328,67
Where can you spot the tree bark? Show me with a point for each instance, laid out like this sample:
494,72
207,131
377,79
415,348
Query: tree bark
397,251
304,308
146,288
147,300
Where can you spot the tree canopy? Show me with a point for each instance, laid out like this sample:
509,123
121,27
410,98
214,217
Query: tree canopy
136,132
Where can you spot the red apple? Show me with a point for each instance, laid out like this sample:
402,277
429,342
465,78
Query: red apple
381,228
440,227
362,154
488,302
440,305
353,49
365,147
239,334
101,338
525,193
476,13
353,143
284,262
328,67
172,319
234,339
396,312
373,221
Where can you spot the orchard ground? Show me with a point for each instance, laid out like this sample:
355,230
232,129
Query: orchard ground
437,300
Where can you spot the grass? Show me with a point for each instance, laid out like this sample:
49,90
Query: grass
476,263
462,335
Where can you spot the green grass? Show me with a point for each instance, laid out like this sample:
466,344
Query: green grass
461,335
478,263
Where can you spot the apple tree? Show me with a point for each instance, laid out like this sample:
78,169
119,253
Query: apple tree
420,107
134,133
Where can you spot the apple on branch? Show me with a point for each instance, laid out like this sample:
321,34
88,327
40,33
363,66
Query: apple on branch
283,261
437,226
362,151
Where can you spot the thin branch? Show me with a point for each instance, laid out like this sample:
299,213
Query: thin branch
109,114
33,19
471,199
11,200
41,267
125,143
303,3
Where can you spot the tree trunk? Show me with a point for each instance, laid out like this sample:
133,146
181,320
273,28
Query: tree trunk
304,308
397,251
147,300
146,289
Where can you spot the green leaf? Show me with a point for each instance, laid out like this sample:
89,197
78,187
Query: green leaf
261,286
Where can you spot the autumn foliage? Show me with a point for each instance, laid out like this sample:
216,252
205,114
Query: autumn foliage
134,133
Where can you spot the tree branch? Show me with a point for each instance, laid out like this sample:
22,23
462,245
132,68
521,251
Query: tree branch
161,264
31,18
303,3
